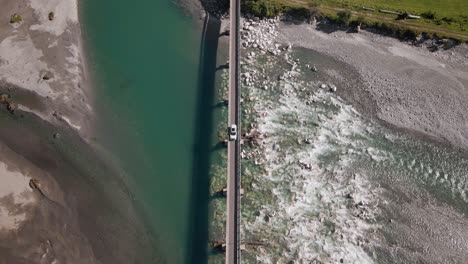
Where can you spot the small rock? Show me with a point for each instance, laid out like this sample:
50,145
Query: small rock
4,98
11,107
15,18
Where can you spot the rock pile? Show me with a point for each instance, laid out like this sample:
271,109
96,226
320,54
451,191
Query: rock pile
260,34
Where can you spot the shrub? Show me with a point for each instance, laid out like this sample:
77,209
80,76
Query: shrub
429,15
299,12
395,31
448,20
314,10
343,18
15,18
409,34
359,21
262,8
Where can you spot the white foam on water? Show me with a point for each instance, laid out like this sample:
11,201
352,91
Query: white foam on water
312,210
77,127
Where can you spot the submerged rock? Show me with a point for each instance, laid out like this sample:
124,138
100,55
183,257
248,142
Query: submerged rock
4,98
11,107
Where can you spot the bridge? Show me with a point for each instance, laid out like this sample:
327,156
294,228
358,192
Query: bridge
233,167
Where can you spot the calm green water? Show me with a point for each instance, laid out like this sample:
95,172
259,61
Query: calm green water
144,57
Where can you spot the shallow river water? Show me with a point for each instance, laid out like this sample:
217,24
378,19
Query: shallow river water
143,57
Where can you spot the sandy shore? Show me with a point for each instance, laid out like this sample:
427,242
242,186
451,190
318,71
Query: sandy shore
42,55
60,202
77,210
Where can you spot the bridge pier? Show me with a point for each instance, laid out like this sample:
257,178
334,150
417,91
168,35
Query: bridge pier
225,190
222,247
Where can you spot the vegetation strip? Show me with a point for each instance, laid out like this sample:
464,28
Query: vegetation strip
439,20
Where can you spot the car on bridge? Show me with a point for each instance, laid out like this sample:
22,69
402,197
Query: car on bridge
233,132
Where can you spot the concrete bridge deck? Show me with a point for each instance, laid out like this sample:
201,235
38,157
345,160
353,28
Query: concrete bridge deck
233,168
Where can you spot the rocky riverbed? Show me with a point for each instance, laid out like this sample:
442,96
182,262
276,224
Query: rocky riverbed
330,172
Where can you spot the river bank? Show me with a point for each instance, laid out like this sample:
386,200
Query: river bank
61,199
42,62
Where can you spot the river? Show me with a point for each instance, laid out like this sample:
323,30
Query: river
144,61
322,182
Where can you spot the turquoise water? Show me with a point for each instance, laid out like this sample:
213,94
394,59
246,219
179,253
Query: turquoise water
144,57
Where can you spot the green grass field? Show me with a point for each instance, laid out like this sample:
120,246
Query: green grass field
448,18
448,8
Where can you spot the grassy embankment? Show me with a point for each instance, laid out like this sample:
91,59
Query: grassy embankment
442,18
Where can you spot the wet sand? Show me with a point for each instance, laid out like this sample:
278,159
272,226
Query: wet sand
43,56
81,211
60,200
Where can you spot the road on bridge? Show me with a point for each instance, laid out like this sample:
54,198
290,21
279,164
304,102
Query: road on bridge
233,167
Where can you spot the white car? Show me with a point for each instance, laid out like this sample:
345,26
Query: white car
232,132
